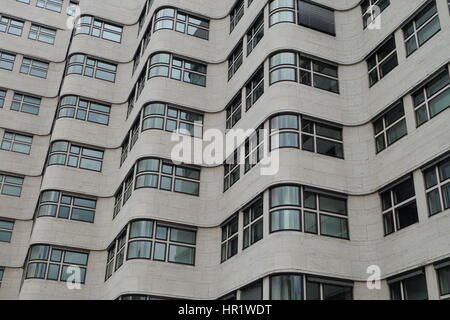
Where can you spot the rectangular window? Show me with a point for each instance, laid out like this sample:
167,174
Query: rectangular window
118,201
53,5
34,67
174,19
371,9
54,263
136,58
2,98
254,88
422,27
236,13
229,241
235,60
232,170
81,109
99,29
68,154
66,206
304,13
166,117
25,103
432,98
399,206
16,142
443,274
140,84
254,148
409,286
437,186
7,60
6,229
286,130
253,223
390,127
322,213
11,185
2,271
292,66
43,34
84,65
306,287
253,291
161,174
255,33
382,61
234,111
169,66
11,26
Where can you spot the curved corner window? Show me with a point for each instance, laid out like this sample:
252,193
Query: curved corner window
174,19
82,109
68,154
99,29
89,67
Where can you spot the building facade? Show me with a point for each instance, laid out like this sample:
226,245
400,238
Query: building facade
352,95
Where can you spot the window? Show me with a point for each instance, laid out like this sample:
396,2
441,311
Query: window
83,65
34,67
7,61
68,154
229,241
236,13
43,34
81,109
390,127
234,111
437,186
255,33
2,271
118,201
254,88
235,60
71,9
156,173
142,16
292,66
2,98
409,286
140,84
6,228
11,185
131,100
304,13
166,117
368,9
54,5
66,206
322,138
323,213
399,206
254,148
137,58
305,287
53,263
99,29
170,244
11,26
423,26
253,223
253,291
432,98
152,240
382,61
443,274
25,103
16,142
232,170
169,66
171,18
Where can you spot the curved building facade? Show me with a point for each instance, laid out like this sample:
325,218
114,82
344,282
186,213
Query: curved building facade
351,96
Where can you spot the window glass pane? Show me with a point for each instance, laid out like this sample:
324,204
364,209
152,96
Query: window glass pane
434,202
332,292
252,292
36,270
181,254
187,187
331,204
284,122
75,257
444,280
333,226
141,229
285,220
184,236
39,252
159,251
416,288
407,215
82,215
285,195
139,249
286,287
